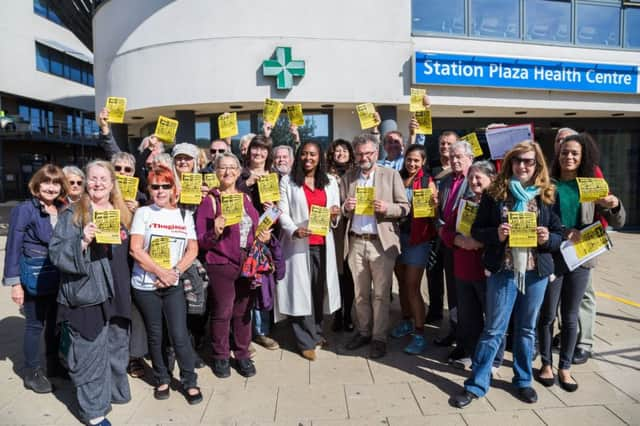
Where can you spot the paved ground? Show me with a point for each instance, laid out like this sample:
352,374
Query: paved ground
346,388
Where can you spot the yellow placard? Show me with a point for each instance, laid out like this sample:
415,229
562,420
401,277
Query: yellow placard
228,125
467,212
523,229
592,189
319,220
364,200
423,205
271,111
116,107
295,114
190,188
108,223
166,129
591,240
367,115
425,127
232,206
269,188
128,187
211,180
472,139
416,104
160,252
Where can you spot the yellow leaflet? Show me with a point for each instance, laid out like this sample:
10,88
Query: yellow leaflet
267,219
319,220
166,129
116,107
591,240
228,125
160,252
268,188
467,212
592,189
128,187
416,104
364,200
211,180
232,207
264,224
367,115
108,223
271,111
190,185
425,127
295,114
472,138
423,205
523,229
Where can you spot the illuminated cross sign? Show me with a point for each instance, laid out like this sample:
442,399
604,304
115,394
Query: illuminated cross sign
283,68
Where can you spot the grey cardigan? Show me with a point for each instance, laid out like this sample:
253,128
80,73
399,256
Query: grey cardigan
84,281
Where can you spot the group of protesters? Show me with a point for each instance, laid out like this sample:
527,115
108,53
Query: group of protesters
104,307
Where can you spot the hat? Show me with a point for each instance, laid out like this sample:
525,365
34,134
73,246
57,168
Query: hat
186,149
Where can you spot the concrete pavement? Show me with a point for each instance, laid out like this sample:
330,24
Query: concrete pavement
345,388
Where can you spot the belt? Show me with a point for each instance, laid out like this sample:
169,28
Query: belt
366,237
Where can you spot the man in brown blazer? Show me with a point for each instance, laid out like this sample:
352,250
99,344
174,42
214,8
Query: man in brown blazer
372,241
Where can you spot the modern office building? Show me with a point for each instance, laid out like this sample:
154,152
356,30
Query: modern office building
46,95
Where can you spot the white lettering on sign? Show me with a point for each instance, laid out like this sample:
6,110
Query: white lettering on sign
456,69
594,76
512,73
564,74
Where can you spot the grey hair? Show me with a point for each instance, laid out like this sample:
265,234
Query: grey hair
144,144
164,159
123,156
73,170
287,147
464,145
246,138
567,130
364,138
485,167
219,158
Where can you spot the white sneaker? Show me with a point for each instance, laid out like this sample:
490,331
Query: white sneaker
462,363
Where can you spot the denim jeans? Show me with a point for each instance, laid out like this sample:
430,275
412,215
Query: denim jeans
503,299
40,314
261,321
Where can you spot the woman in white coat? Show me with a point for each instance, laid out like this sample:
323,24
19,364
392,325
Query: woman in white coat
310,288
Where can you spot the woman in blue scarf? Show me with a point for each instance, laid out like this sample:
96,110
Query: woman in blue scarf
518,275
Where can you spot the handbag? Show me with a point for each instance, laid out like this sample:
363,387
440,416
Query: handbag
39,276
195,282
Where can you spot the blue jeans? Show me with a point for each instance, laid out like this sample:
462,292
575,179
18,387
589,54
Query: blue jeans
503,299
261,322
40,315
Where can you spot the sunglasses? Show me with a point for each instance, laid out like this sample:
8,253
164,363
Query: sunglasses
75,182
528,162
155,187
125,169
217,151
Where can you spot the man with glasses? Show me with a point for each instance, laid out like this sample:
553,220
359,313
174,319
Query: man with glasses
217,148
372,240
393,146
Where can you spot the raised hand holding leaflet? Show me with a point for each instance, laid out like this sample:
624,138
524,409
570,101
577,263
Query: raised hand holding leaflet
415,104
228,125
425,126
271,111
116,107
367,116
166,129
295,114
472,139
268,188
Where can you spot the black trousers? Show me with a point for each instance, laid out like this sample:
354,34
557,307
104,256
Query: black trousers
308,329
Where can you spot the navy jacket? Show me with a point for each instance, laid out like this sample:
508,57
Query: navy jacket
485,229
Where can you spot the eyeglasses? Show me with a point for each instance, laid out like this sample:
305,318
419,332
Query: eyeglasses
125,169
184,159
365,154
217,151
165,186
528,162
75,182
226,168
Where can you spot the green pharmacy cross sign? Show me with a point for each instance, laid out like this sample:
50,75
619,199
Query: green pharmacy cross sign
283,68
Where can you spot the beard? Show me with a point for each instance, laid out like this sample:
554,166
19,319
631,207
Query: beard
365,165
283,169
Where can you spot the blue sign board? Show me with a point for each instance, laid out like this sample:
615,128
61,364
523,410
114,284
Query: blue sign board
486,71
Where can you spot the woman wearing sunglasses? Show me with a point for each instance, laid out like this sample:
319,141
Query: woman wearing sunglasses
75,178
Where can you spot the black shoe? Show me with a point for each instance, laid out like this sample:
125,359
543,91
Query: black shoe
221,368
348,326
433,318
358,341
445,341
456,354
555,343
195,398
338,322
199,363
462,399
528,395
569,387
378,349
161,394
547,382
35,380
246,367
580,356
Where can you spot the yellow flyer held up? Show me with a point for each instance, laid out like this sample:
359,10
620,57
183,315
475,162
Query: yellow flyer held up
116,107
416,104
592,189
166,129
128,187
232,206
211,180
319,220
523,229
423,205
228,125
190,184
108,223
467,211
160,252
269,188
271,110
367,116
472,138
591,240
295,114
425,127
364,200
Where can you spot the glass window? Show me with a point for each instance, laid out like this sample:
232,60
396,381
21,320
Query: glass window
23,112
73,70
57,62
548,20
40,7
439,16
597,24
42,58
203,132
495,18
632,27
